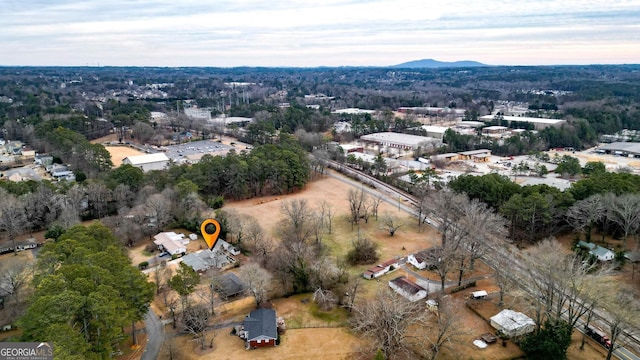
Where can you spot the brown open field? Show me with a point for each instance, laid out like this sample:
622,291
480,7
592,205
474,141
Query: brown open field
118,153
267,211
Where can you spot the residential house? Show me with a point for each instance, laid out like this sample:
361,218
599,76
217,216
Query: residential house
427,258
408,289
170,243
203,260
601,253
380,269
43,160
260,329
512,323
228,247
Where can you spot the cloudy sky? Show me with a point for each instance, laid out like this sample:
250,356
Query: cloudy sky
317,33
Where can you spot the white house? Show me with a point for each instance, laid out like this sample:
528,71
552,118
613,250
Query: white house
228,247
425,258
158,161
603,254
170,243
408,289
380,269
512,323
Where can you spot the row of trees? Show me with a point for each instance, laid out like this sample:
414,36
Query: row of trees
535,212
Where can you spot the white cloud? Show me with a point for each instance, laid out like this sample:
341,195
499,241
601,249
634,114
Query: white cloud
303,33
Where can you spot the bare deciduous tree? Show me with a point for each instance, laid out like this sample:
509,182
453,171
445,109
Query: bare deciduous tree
159,207
374,204
482,226
15,274
446,210
258,281
99,196
296,225
325,299
584,213
624,311
12,217
567,288
143,131
194,321
328,214
444,326
626,213
387,318
357,205
391,224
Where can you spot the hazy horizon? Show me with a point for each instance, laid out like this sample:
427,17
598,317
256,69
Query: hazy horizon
333,33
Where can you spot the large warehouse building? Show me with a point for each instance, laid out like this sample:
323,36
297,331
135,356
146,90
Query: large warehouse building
400,141
158,161
538,123
621,149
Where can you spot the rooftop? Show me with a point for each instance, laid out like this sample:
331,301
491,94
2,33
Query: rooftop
629,147
407,285
148,158
525,119
397,138
261,322
511,320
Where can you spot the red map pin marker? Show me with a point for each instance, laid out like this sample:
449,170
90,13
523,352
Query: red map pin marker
210,230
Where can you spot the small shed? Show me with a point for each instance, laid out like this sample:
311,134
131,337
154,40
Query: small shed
512,323
480,294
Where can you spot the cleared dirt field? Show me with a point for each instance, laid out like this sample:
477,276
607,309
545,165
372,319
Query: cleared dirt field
118,153
267,210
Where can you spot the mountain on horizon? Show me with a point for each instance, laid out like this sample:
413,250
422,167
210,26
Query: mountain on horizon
431,63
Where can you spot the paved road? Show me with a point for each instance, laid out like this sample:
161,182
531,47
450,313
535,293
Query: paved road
155,335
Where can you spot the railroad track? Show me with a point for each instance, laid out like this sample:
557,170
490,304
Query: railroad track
599,317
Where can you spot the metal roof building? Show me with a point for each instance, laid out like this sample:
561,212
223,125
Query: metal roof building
158,161
621,148
397,140
538,123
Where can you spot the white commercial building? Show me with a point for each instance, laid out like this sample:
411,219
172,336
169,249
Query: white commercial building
158,161
538,123
401,141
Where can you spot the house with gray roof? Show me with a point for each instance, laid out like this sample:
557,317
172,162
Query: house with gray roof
603,254
260,329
